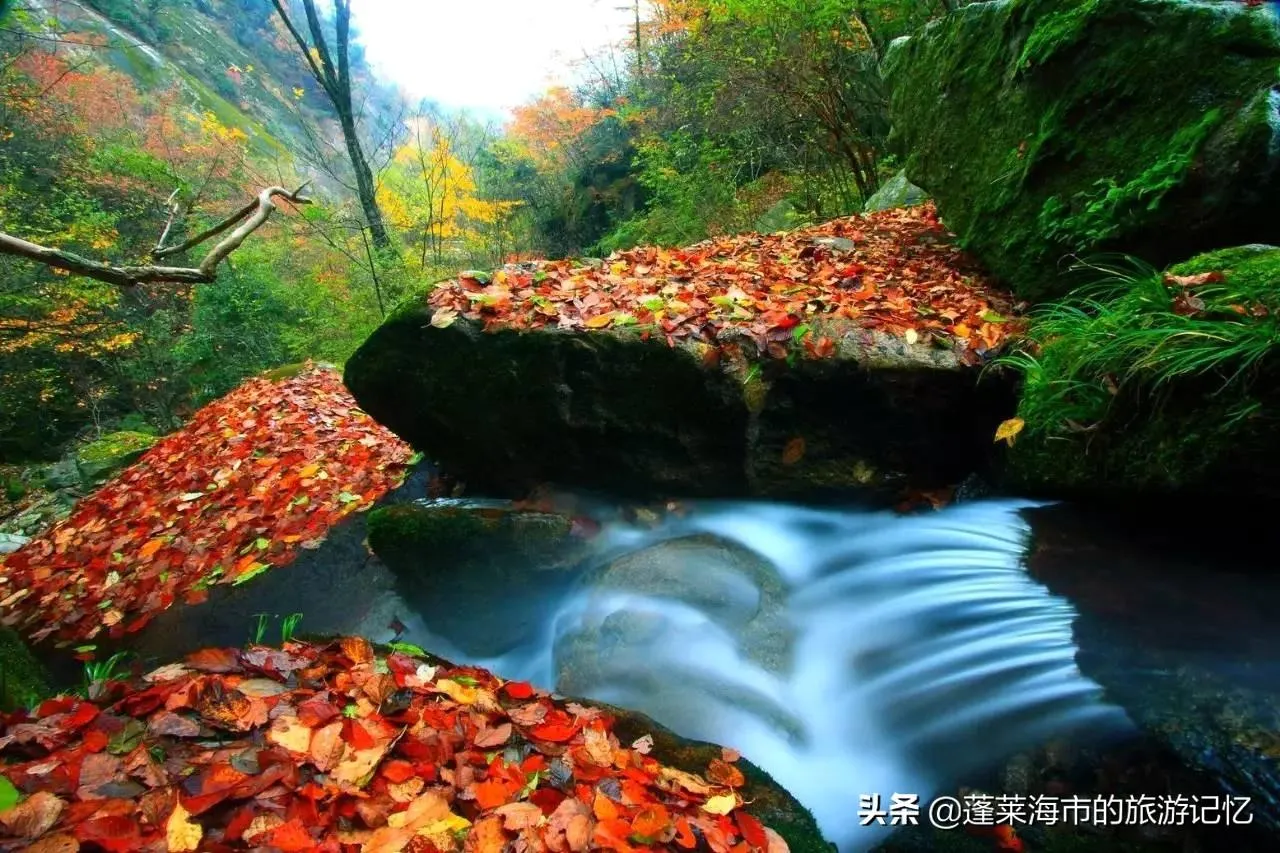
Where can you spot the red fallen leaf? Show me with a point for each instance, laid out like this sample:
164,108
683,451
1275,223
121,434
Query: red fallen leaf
397,771
556,726
518,689
613,835
752,830
308,419
356,735
652,820
95,740
85,713
214,660
684,834
115,833
292,837
492,793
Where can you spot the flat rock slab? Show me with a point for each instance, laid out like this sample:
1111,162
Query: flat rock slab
505,411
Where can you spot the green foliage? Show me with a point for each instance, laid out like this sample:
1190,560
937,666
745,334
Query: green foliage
96,672
1147,377
289,626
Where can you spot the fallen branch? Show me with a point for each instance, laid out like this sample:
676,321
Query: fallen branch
254,215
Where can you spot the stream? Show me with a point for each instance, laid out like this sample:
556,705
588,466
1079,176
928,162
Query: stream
846,651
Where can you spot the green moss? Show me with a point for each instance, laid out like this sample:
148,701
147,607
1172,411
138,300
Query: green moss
287,371
115,445
1140,389
23,680
1045,129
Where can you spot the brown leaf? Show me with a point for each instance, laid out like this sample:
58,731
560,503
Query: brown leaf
496,736
793,452
517,816
34,816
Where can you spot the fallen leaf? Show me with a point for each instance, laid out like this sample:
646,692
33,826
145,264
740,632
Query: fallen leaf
180,832
1009,429
34,816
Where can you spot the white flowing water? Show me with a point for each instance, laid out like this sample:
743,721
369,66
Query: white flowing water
918,652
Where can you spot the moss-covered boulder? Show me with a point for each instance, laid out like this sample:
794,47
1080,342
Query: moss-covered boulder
1169,385
896,192
1047,128
98,460
626,414
22,678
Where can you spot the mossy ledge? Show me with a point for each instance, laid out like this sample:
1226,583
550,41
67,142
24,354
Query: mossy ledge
1045,129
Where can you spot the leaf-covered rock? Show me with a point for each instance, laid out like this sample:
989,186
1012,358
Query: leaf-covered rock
1047,128
841,357
344,745
253,478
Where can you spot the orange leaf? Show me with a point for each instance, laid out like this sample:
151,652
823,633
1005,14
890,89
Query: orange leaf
793,452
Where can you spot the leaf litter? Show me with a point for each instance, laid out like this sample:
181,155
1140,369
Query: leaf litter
355,751
253,478
895,271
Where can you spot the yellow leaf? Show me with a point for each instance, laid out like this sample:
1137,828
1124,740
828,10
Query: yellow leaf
443,318
460,693
721,804
181,833
600,321
1009,430
288,731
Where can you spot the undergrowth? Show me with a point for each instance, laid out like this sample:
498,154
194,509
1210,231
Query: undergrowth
1136,329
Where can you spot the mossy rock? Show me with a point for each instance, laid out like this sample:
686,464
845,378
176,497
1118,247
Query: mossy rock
896,192
1213,433
1051,128
22,679
614,411
98,460
473,549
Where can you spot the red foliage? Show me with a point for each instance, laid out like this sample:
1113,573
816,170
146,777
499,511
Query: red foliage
904,277
447,760
253,477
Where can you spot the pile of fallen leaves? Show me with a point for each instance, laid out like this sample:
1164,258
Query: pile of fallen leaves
903,276
337,748
253,477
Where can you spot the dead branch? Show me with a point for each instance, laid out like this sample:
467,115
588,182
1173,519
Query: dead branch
257,213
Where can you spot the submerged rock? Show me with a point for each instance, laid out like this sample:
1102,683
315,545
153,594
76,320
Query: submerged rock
614,411
1048,128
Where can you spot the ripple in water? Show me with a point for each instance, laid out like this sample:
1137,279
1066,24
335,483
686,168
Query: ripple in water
875,653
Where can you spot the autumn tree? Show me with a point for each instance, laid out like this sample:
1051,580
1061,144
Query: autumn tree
330,65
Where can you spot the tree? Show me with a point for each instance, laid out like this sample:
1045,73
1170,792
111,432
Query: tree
331,68
245,221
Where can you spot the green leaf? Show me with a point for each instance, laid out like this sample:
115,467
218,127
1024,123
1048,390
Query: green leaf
799,332
347,497
408,649
127,739
261,544
9,795
467,680
992,317
413,460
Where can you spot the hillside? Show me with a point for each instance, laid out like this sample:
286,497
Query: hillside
229,58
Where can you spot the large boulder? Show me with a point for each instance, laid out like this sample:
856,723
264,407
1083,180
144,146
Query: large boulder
614,410
1050,128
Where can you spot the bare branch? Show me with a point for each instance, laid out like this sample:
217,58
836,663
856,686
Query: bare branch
174,207
129,276
266,206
